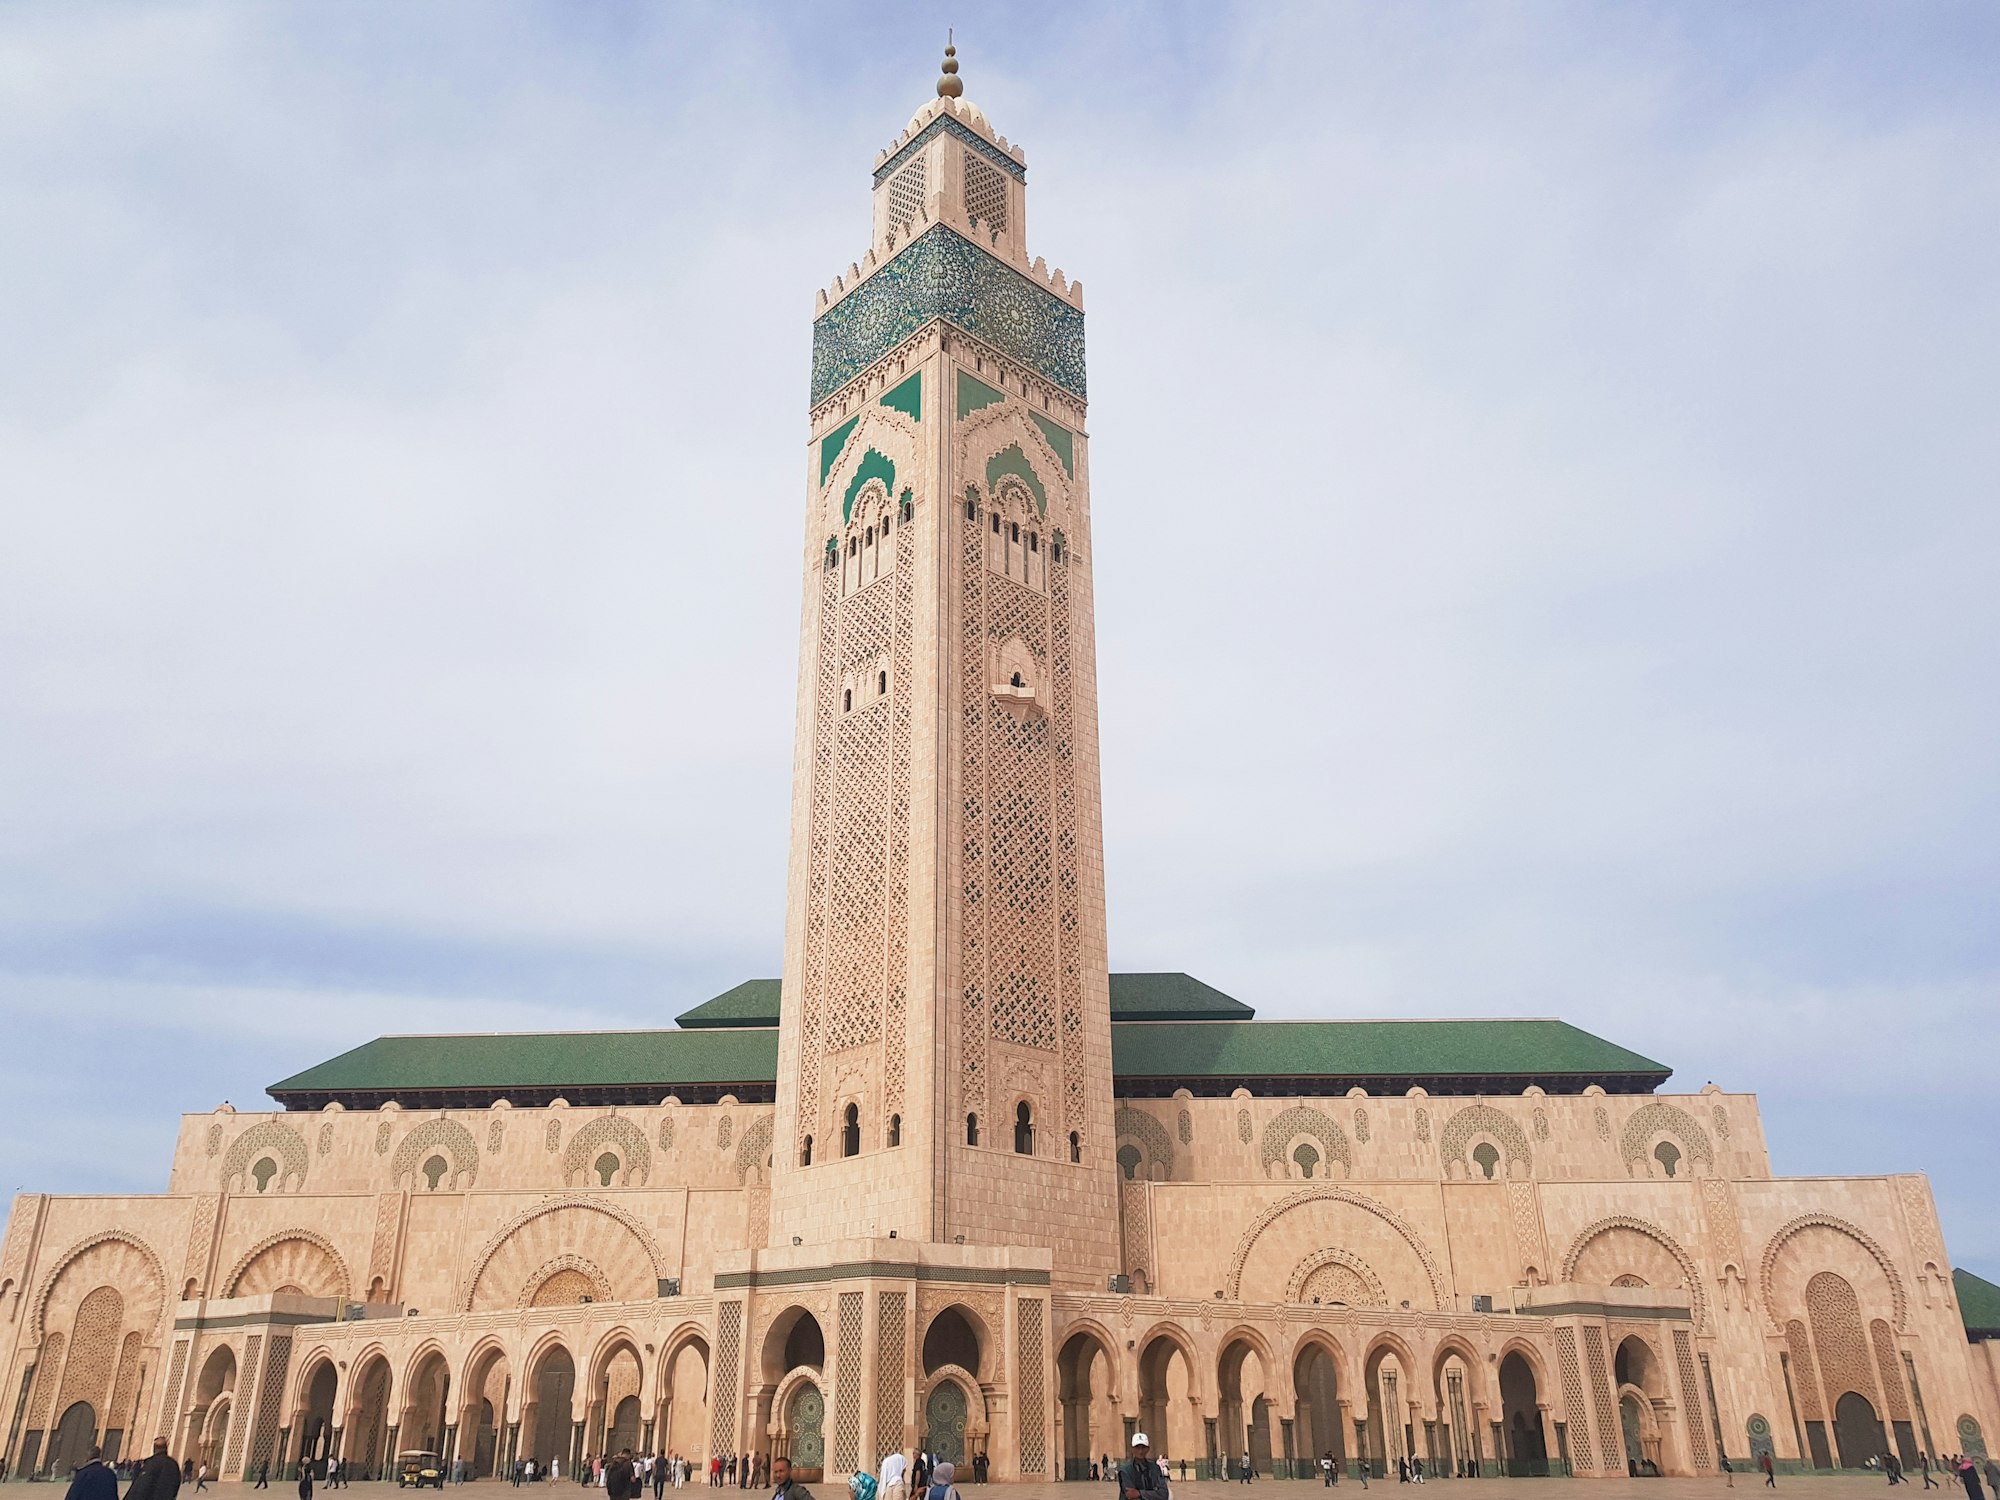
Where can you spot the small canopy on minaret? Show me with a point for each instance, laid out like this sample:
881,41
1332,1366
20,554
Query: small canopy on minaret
949,84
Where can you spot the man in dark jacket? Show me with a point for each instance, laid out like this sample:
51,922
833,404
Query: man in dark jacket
159,1477
93,1480
1139,1478
621,1481
783,1486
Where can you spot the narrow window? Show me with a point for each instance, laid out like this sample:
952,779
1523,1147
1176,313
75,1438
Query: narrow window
972,1130
885,525
846,699
1034,541
870,535
1013,531
996,523
850,1131
806,1153
1075,1146
1024,1129
852,547
971,511
1017,681
881,682
895,1130
909,506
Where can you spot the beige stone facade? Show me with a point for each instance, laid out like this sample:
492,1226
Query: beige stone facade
948,1221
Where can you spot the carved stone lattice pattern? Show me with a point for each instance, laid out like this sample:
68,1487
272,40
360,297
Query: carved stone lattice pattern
847,1385
567,1225
443,1137
1834,1315
291,1258
201,1240
270,1399
895,1021
754,1150
325,1147
940,274
1609,1434
385,1130
892,1311
1334,1277
1136,1125
1423,1125
1805,1379
1029,1317
972,919
552,1136
1069,919
382,1250
239,1414
1527,1222
564,1282
725,1131
1718,1217
1475,1120
1541,1123
266,1138
812,999
614,1133
1697,1428
1303,1119
1719,1117
496,1135
728,1351
1602,1117
1885,1366
1245,1131
1186,1128
667,1133
985,195
857,802
1690,1276
945,124
110,1257
906,196
1635,1142
46,1376
93,1349
1016,755
215,1140
1361,1124
1922,1221
124,1390
170,1408
1571,1373
1136,1211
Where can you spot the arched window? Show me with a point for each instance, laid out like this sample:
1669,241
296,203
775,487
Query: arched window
1306,1157
1034,541
1128,1161
1075,1146
972,1130
806,1153
1024,1129
909,506
996,523
263,1172
1668,1155
971,510
850,1131
606,1167
852,546
846,699
1013,531
434,1170
1486,1156
1016,682
869,537
895,1130
881,682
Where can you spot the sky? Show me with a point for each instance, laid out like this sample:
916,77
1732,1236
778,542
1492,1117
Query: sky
1543,464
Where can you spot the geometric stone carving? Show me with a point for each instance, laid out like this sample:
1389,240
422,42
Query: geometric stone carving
1656,1118
442,1136
617,1134
267,1138
1483,1119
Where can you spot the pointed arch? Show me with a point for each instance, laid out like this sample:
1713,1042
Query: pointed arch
1329,1194
79,1248
1690,1275
318,1246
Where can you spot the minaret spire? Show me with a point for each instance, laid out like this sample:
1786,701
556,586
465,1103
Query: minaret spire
949,84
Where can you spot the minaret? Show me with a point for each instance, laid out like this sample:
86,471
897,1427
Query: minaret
945,1052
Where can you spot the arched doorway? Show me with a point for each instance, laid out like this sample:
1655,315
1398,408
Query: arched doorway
944,1422
795,1346
805,1421
74,1435
1638,1377
951,1340
684,1418
1316,1425
1857,1431
548,1415
614,1401
1090,1426
1243,1400
315,1420
208,1427
421,1425
1453,1442
1527,1451
364,1451
1387,1376
482,1409
1167,1411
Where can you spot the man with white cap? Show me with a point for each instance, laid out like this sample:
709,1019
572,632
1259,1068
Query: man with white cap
1139,1478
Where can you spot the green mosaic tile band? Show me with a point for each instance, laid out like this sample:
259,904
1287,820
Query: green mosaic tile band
941,274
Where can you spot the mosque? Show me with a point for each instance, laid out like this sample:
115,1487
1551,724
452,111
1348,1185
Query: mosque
948,1182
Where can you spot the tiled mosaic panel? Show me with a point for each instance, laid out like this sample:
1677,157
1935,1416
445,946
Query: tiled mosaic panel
940,274
972,708
818,841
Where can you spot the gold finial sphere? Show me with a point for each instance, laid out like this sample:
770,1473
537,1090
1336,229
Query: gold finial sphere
949,85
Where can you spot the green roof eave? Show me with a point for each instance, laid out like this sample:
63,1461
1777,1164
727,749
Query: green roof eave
1134,997
1978,1304
1416,1050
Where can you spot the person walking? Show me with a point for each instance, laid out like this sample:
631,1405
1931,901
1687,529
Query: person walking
893,1477
1968,1475
1770,1472
94,1479
1326,1469
1728,1474
941,1486
305,1481
201,1477
263,1476
1247,1475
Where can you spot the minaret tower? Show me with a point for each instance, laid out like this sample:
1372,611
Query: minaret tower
945,1048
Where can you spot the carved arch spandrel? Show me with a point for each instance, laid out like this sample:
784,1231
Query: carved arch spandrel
1855,1232
469,1286
1690,1274
271,1242
153,1266
1330,1194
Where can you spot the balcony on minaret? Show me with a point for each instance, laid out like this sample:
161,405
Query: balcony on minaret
1017,677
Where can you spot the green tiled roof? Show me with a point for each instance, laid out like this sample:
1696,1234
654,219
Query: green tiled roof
1134,997
534,1067
1463,1051
1978,1304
